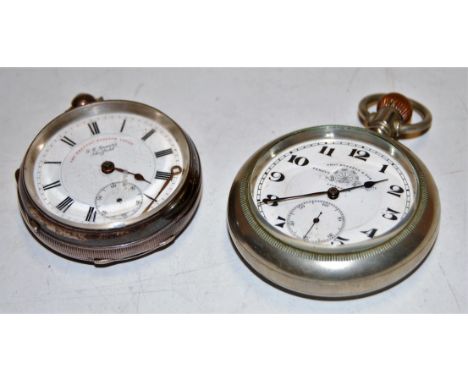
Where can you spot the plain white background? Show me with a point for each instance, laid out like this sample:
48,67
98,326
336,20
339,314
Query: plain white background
229,113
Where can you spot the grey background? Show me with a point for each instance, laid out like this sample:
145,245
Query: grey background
229,113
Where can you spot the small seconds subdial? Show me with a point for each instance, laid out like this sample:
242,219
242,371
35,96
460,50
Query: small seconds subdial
119,200
315,221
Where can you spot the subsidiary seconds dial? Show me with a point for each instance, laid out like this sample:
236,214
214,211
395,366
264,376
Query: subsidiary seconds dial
353,192
315,221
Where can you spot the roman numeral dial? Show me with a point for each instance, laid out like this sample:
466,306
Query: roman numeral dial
97,170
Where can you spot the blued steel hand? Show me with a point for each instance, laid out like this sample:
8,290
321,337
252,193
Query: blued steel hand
315,221
108,167
332,192
175,170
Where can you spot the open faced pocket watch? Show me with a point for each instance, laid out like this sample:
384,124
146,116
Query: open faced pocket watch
338,211
109,181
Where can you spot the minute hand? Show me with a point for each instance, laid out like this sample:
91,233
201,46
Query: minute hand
285,198
332,192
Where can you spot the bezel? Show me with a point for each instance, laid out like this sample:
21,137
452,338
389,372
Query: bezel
337,273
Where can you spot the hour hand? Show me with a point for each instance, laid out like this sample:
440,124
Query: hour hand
108,167
135,175
368,184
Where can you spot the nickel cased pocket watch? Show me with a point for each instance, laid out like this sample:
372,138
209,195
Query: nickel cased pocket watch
109,181
338,211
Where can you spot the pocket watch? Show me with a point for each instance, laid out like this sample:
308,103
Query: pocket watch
108,181
338,211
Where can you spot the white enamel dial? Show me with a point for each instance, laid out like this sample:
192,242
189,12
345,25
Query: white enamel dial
360,192
107,168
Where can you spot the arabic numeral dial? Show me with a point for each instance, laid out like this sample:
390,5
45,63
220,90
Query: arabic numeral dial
333,193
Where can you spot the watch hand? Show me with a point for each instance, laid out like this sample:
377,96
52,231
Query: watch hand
175,170
285,198
332,192
108,167
135,175
149,197
367,184
315,221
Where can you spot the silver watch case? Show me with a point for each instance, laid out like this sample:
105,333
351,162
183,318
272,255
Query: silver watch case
344,273
104,244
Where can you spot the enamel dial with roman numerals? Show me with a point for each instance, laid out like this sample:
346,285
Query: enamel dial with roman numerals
333,192
109,181
73,182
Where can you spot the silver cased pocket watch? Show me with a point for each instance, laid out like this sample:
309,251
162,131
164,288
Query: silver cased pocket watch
109,181
338,211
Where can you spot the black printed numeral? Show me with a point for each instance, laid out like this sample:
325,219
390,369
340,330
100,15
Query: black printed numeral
395,190
276,176
91,215
359,154
68,141
52,185
370,233
161,175
281,222
384,167
123,126
162,153
300,161
148,134
327,151
270,200
94,128
391,214
65,204
340,240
